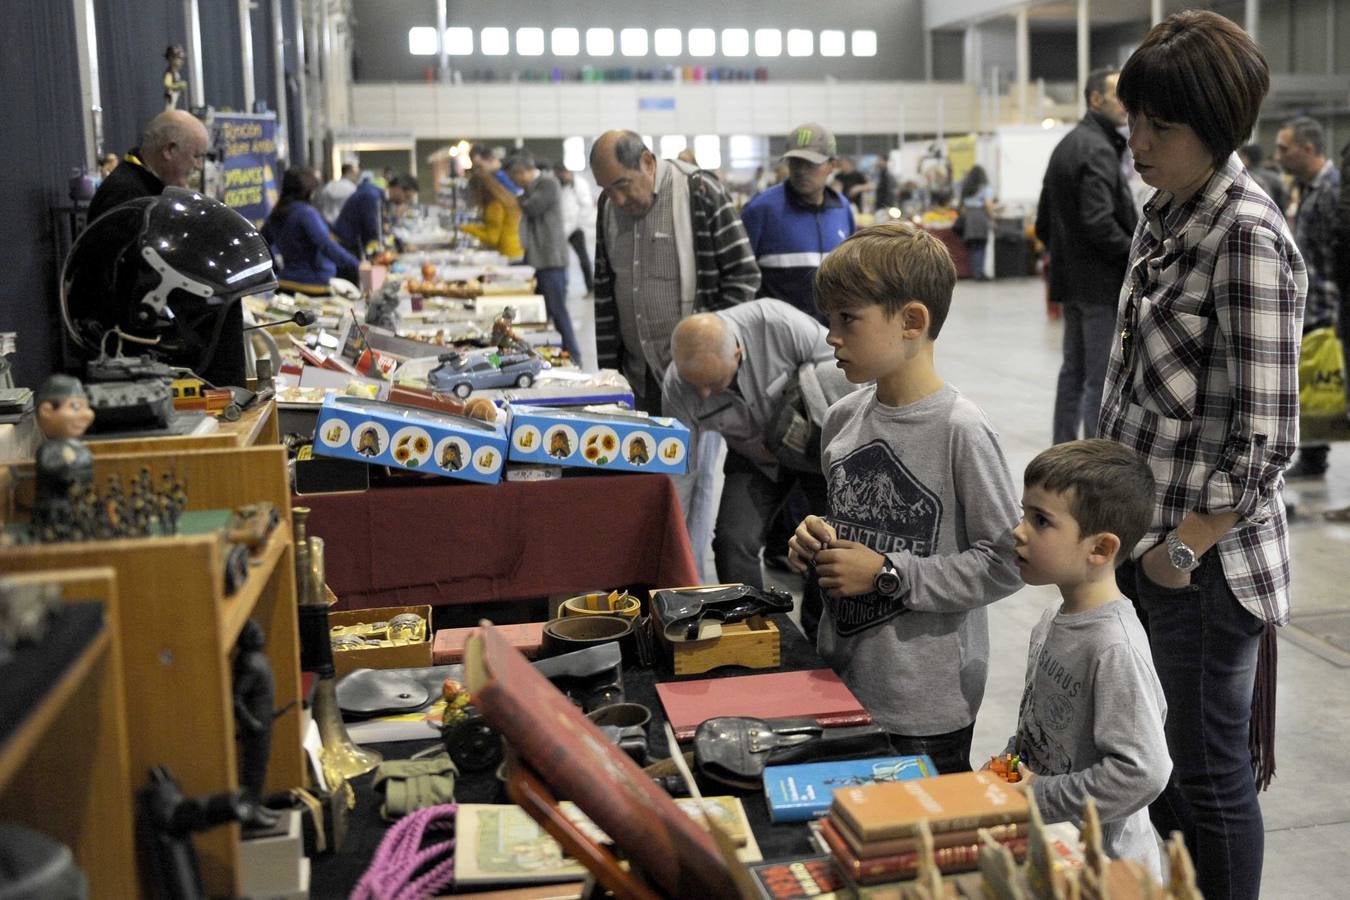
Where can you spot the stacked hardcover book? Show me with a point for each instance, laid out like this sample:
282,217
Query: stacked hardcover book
873,830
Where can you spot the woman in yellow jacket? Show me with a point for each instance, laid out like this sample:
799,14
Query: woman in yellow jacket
500,229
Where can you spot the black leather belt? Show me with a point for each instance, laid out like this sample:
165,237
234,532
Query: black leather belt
579,632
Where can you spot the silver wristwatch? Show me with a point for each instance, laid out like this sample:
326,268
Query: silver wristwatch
1181,557
887,581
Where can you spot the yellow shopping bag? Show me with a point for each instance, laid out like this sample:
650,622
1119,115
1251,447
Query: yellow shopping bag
1321,376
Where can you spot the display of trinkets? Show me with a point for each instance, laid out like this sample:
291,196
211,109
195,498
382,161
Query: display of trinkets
399,631
139,509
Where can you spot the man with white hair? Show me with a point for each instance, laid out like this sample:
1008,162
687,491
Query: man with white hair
172,150
733,372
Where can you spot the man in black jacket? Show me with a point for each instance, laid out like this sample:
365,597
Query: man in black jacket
171,152
1086,220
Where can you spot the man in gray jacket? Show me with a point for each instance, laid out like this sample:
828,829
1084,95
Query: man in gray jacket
545,241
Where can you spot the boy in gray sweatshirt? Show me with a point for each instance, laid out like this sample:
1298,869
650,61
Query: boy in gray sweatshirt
1091,719
922,505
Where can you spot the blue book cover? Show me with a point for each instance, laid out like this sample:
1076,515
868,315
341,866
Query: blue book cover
801,792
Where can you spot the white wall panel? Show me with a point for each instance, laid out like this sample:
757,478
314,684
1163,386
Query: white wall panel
560,110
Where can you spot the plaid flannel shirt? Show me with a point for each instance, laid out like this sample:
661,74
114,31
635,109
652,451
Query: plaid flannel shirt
1203,378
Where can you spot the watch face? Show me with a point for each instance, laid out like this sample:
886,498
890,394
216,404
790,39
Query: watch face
887,582
1182,557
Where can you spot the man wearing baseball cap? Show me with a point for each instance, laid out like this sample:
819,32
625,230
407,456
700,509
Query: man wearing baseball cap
793,225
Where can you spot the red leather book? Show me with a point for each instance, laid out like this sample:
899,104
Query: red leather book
448,645
817,694
893,846
899,866
572,757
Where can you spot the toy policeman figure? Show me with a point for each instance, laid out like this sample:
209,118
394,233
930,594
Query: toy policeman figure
63,462
174,83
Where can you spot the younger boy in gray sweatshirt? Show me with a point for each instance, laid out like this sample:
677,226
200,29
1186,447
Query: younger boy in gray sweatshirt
1091,719
922,505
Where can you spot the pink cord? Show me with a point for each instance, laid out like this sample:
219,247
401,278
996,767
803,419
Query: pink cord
402,868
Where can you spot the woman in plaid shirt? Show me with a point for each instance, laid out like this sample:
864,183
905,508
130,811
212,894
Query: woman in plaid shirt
1203,382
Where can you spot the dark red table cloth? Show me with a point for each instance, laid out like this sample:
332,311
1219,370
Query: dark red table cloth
465,543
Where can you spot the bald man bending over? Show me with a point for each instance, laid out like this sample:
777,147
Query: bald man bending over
172,148
730,373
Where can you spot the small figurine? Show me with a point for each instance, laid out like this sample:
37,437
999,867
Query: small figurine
504,335
254,696
174,83
382,307
64,464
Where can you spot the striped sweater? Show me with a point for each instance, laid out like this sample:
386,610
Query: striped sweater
726,270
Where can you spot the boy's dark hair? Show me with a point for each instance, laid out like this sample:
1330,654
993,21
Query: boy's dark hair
1198,69
1108,486
889,265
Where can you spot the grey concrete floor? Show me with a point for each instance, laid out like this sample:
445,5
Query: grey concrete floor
1000,349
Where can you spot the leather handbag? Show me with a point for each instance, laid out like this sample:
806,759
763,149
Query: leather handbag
734,750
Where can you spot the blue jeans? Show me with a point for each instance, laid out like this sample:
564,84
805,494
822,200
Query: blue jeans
976,250
1088,331
552,283
949,752
1204,647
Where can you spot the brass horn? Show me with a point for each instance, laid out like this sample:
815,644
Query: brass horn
340,754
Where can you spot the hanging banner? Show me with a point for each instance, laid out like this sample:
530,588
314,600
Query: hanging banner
961,152
246,145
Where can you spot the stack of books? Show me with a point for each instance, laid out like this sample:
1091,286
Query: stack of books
872,830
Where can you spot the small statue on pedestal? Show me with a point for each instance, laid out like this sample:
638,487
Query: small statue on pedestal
64,464
254,695
175,57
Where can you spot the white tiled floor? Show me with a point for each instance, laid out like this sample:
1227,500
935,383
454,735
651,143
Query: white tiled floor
1000,349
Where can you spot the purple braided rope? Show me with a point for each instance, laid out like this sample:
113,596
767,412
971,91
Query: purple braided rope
393,873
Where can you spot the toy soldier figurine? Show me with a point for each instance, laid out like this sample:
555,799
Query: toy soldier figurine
64,464
504,333
254,695
174,83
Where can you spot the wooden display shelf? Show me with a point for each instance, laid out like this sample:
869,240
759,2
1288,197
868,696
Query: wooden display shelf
257,427
65,771
179,630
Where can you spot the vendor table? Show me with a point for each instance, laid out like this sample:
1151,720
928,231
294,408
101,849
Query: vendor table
461,543
335,874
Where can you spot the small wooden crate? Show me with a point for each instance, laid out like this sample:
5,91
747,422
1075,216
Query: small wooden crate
753,643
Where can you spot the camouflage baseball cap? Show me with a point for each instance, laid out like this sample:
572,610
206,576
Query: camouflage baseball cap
811,142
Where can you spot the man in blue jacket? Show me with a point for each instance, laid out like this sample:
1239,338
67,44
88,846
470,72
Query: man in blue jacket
793,225
360,225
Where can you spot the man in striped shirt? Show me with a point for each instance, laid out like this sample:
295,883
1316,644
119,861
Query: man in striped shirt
668,244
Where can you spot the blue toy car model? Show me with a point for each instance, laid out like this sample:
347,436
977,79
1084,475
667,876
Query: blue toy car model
465,372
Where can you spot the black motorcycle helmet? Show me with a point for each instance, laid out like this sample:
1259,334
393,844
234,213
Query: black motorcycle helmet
167,272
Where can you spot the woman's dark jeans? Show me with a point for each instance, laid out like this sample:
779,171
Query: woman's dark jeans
1204,647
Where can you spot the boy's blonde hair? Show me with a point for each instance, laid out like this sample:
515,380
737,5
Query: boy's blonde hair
1108,486
889,265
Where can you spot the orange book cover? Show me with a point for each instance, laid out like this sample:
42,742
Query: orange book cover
448,645
962,800
572,756
816,694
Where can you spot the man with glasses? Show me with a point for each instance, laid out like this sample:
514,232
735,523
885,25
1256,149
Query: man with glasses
172,150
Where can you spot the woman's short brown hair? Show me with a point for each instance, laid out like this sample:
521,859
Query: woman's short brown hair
889,265
1198,69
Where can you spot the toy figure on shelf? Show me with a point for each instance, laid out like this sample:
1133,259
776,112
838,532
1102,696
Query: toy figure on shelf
504,332
64,464
382,307
254,693
174,84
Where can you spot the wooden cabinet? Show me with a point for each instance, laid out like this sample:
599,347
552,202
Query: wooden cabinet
179,628
64,771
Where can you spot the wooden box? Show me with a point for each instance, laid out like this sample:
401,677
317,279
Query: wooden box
754,644
410,656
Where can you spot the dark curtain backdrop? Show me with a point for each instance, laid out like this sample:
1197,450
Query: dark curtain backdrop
295,116
222,76
132,36
41,141
264,78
